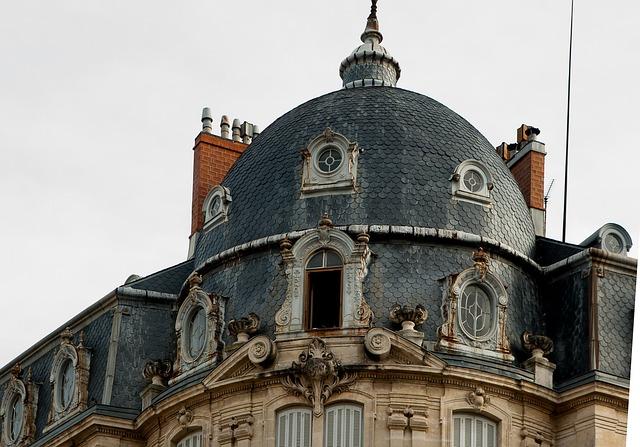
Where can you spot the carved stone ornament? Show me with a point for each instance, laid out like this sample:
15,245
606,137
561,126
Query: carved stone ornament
19,427
356,256
243,327
317,376
377,343
158,371
262,350
537,345
478,398
407,316
454,333
184,416
69,378
199,340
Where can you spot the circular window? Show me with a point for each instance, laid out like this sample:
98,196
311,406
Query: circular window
66,383
476,312
16,411
613,243
197,332
329,160
473,180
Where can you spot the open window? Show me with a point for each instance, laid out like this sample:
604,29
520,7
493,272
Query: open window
324,290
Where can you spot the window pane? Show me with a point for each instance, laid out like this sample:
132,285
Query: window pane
468,425
479,438
491,435
294,428
330,430
470,430
315,261
325,290
343,426
333,260
456,432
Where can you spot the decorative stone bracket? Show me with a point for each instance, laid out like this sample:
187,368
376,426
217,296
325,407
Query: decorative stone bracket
355,310
400,420
317,376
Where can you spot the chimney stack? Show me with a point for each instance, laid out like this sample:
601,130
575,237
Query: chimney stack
213,156
525,159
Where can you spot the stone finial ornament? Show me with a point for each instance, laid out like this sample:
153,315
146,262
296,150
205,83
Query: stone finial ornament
243,327
158,371
194,280
537,345
478,398
66,335
407,316
16,370
317,376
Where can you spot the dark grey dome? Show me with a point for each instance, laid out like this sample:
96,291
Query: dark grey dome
411,146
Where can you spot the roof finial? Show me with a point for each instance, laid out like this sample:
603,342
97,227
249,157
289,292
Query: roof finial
370,64
372,30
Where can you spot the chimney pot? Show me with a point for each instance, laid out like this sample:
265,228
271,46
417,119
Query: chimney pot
246,132
256,131
224,127
236,130
207,120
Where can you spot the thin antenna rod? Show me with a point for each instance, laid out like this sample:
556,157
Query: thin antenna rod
566,156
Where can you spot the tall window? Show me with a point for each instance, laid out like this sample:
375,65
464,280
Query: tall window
343,426
324,290
191,440
470,430
294,428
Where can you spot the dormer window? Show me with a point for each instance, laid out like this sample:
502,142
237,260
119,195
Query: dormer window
324,289
330,165
471,182
66,384
216,207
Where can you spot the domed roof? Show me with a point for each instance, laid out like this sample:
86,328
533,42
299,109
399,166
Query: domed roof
411,146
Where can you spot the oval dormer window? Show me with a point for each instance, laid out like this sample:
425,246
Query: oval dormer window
329,159
67,384
16,417
197,331
477,312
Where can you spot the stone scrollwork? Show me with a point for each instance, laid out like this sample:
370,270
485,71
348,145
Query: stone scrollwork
377,343
262,350
356,256
317,376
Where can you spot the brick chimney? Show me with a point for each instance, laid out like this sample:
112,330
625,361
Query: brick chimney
525,159
213,156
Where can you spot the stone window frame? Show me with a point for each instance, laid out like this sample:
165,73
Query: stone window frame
211,353
80,358
316,182
27,392
475,418
356,256
212,220
485,407
191,436
451,335
343,405
460,192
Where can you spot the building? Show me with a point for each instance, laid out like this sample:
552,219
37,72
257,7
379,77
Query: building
369,270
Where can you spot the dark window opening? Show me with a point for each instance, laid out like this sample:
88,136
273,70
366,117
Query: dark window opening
324,298
324,290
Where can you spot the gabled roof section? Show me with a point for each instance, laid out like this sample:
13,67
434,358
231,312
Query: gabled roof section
169,280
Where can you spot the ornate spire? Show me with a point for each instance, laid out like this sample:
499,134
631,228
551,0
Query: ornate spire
370,64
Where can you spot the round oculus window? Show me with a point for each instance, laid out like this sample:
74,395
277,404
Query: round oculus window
473,180
329,160
16,416
613,243
66,383
476,312
197,332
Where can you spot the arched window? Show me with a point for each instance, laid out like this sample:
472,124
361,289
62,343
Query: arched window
193,439
470,430
343,426
477,312
294,427
324,290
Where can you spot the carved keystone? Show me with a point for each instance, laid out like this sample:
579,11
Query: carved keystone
478,398
481,262
317,376
244,327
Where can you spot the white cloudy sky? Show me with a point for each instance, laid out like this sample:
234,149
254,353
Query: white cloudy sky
100,102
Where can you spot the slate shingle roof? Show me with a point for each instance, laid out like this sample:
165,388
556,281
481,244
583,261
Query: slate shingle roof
411,145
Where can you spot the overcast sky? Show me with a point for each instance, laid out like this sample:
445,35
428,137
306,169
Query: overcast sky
100,102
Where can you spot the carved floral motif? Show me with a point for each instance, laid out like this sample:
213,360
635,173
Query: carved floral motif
317,376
